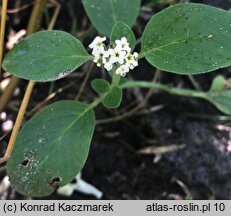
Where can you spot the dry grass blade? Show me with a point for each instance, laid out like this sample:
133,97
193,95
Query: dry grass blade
18,9
18,122
223,128
90,68
160,149
3,26
55,15
2,137
5,97
183,186
48,98
33,26
14,38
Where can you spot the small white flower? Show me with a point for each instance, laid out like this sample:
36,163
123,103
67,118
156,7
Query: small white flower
97,42
106,60
122,70
123,44
99,51
98,54
135,55
108,66
117,56
106,57
131,60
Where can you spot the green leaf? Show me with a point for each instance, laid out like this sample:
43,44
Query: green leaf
218,96
113,98
188,39
218,83
120,30
105,13
46,56
222,100
101,86
51,148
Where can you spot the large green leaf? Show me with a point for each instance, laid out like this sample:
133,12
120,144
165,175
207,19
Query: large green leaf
120,30
51,148
105,13
46,56
188,39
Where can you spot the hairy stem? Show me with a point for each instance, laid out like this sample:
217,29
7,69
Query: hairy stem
115,79
166,88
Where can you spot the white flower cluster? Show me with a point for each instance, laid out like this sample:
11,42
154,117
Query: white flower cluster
119,57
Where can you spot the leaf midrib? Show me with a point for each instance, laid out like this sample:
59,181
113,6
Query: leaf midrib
63,56
59,138
113,12
173,43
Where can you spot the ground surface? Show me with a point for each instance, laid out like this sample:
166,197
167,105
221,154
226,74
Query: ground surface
200,170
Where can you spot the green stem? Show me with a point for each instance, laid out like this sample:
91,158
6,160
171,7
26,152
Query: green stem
166,88
95,103
115,79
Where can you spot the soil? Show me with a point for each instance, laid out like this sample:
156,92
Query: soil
199,170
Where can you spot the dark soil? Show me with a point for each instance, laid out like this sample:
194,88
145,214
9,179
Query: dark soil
201,170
